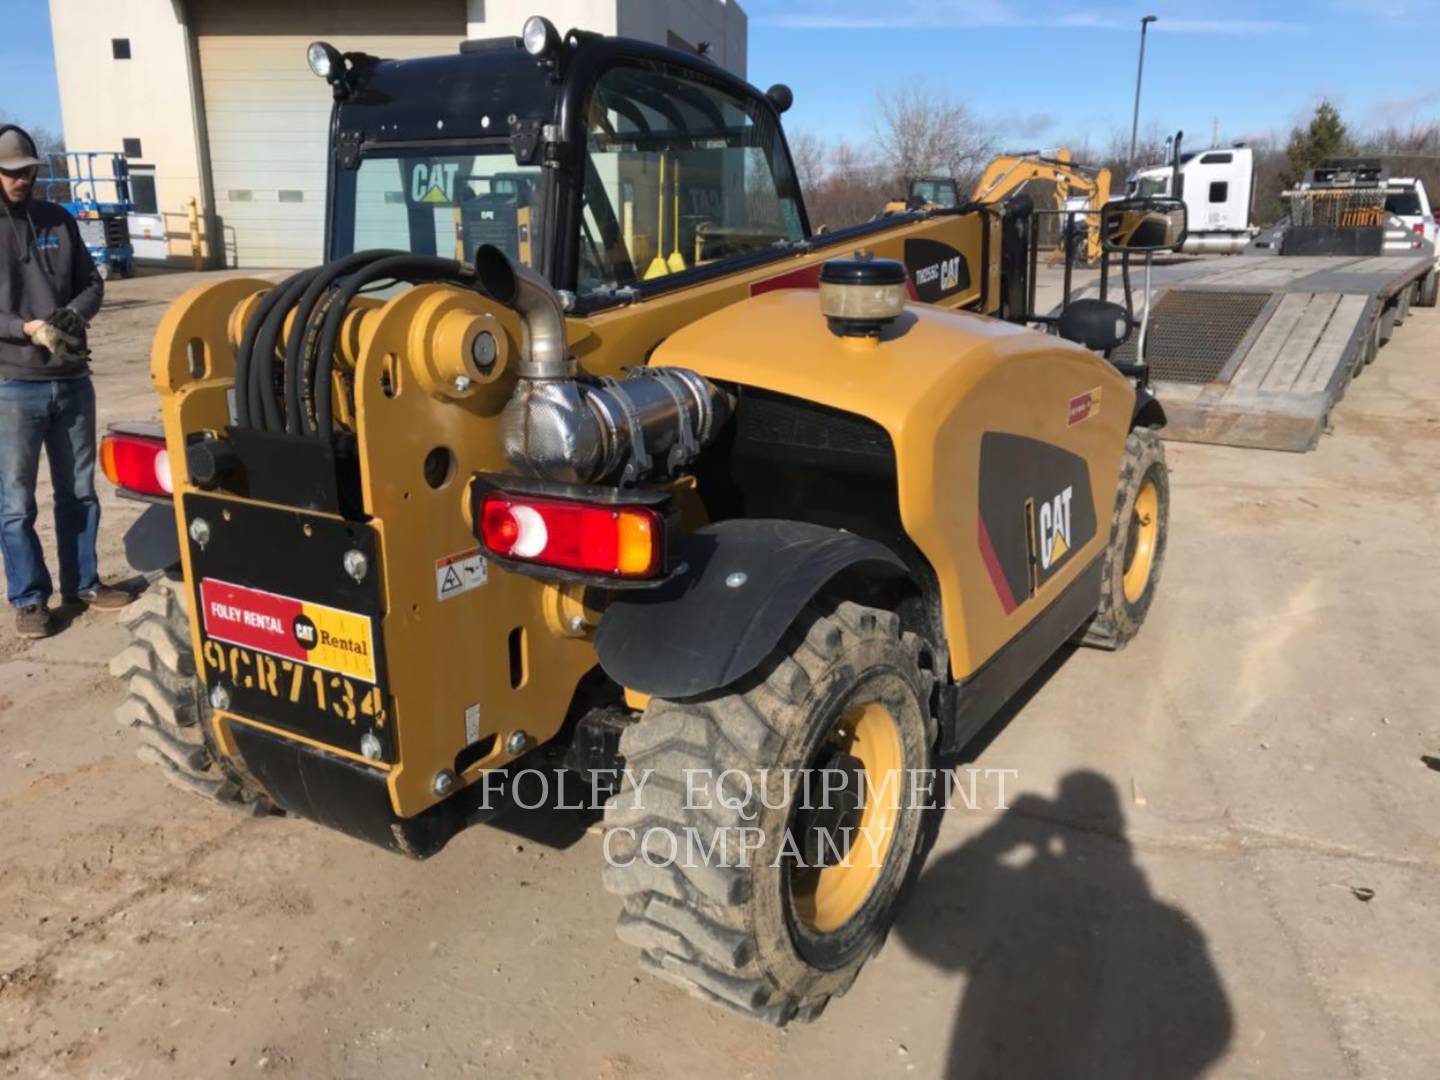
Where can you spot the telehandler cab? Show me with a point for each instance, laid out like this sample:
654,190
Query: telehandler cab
796,504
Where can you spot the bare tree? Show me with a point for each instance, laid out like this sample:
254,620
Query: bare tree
46,141
849,186
921,131
1272,176
1149,150
1413,152
808,151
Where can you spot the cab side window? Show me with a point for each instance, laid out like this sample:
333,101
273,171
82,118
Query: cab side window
678,174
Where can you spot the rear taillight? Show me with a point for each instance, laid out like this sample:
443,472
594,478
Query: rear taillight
137,463
1420,228
588,538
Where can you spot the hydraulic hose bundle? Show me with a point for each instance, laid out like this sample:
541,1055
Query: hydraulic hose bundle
298,402
558,425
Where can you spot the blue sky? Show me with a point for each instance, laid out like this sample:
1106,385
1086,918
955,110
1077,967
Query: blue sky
1044,72
1041,72
27,58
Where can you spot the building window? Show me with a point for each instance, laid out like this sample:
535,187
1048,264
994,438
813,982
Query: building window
120,48
131,147
292,196
142,193
1219,191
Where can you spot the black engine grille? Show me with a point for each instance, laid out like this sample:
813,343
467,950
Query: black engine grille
1192,334
774,426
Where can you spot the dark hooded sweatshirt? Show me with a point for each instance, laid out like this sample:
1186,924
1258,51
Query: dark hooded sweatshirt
43,266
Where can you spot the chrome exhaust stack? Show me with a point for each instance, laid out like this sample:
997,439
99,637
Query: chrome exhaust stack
555,427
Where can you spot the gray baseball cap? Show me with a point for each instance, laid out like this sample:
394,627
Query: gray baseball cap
17,148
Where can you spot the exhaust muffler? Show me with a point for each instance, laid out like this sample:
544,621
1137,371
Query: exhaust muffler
557,426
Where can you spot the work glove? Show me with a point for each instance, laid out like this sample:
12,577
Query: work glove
68,321
63,333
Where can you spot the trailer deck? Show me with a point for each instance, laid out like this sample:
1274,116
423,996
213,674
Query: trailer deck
1255,350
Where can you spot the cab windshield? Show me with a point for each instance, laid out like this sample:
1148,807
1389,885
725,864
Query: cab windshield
678,173
444,204
935,192
1149,187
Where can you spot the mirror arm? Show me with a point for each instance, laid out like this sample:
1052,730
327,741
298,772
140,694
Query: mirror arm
1145,318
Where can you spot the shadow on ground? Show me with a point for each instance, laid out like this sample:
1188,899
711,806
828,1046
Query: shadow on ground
1073,967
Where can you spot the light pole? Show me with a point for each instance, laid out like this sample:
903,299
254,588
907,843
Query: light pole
1139,73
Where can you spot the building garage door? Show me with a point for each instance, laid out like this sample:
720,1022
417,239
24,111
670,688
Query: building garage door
268,119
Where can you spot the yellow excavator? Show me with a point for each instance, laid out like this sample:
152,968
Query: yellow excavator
1007,173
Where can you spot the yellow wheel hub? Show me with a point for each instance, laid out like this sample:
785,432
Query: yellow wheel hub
827,897
1141,541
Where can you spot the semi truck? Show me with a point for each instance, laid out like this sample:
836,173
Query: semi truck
1218,188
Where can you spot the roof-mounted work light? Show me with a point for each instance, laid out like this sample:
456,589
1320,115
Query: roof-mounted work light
540,37
325,60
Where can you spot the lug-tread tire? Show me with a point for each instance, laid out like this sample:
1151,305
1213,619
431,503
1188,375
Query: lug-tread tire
720,931
1117,620
165,707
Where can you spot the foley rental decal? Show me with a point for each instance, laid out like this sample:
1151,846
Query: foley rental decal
323,637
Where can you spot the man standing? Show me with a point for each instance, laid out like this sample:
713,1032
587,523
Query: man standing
49,290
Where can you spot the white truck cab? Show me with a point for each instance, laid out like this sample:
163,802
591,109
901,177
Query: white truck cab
1218,186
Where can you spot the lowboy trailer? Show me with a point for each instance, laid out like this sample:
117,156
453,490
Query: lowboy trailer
1255,351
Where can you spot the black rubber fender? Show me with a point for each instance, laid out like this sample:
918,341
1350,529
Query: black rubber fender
1148,412
745,582
152,542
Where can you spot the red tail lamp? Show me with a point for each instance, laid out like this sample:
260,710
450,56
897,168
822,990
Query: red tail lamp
587,538
137,463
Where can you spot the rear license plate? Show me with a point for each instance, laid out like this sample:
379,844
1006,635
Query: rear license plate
292,634
307,666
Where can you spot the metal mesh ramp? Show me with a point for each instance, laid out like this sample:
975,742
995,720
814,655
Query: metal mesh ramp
1192,334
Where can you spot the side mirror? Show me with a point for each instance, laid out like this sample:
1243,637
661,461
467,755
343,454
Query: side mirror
1143,225
1096,324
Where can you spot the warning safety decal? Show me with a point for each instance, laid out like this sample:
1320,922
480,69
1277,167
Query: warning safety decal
459,573
291,629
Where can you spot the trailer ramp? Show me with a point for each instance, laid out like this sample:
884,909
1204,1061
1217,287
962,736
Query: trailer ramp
1256,351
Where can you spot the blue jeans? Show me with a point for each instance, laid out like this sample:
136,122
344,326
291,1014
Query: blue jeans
58,414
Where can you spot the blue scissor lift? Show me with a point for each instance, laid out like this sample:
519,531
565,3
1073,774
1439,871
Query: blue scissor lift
95,187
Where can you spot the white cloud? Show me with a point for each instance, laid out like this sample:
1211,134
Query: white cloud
1402,110
1024,125
1395,11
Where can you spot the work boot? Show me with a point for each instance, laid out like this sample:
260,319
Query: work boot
34,621
104,598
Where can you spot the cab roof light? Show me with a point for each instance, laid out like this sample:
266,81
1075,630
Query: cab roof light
539,36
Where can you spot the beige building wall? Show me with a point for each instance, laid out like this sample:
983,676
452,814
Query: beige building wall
504,18
720,22
148,97
152,95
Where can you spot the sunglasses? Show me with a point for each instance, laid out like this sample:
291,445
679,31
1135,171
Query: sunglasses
28,173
